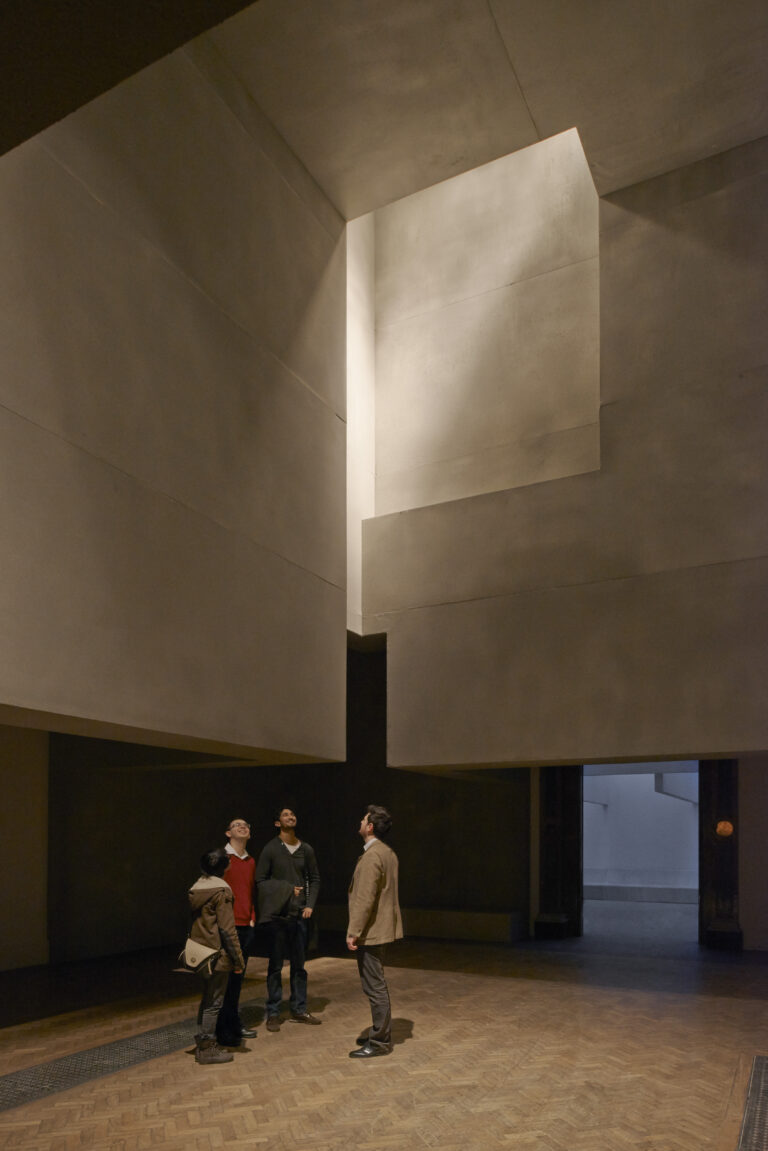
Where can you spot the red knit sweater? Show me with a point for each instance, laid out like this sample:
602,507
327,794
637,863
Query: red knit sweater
240,878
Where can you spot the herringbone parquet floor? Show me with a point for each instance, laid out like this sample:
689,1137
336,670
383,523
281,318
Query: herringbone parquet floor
494,1049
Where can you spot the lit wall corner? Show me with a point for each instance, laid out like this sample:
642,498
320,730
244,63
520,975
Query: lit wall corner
361,409
487,337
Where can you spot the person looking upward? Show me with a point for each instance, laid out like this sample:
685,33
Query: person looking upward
288,858
240,875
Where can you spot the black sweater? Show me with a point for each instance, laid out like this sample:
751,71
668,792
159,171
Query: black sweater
299,868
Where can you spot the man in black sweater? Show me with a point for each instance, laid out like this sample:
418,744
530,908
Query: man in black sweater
287,858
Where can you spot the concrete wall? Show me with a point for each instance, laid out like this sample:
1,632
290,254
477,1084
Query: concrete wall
172,437
361,404
24,836
125,841
753,851
619,614
487,359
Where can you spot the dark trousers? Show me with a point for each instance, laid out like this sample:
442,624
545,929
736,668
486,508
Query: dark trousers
230,1028
214,988
370,964
289,941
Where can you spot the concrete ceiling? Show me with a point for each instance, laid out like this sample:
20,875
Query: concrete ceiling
380,98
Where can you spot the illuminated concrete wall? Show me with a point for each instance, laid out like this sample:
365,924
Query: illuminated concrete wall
487,352
361,404
619,614
172,437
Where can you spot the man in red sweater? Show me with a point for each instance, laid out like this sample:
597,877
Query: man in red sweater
240,875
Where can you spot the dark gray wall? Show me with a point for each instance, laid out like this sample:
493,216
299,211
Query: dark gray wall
125,839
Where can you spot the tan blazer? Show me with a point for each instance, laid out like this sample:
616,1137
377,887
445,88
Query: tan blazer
374,909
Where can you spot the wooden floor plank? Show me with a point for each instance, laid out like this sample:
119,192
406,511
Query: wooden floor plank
493,1050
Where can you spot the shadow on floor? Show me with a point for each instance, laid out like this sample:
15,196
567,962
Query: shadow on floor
626,948
40,992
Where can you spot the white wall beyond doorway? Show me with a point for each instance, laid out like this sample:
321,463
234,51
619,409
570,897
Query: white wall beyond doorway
641,832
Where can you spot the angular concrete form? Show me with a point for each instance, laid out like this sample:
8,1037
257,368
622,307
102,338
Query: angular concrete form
361,404
620,614
430,92
650,87
173,424
487,352
381,100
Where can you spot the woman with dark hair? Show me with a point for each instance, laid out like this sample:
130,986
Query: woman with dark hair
213,924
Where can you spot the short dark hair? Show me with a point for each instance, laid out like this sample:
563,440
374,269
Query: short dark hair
284,807
381,820
214,862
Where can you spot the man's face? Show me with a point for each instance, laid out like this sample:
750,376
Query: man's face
286,821
366,828
239,829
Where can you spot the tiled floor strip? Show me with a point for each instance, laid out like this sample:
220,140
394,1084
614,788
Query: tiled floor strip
754,1129
70,1071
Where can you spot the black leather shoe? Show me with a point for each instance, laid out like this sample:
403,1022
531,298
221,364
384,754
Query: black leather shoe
368,1052
248,1033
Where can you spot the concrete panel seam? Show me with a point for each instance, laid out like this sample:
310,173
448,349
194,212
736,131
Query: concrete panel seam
127,222
606,227
444,307
171,498
225,103
666,172
531,438
538,588
512,69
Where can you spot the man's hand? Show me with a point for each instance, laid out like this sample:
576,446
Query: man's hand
238,971
352,943
297,890
306,913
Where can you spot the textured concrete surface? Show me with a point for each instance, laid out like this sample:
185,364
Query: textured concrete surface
650,87
361,404
619,614
168,155
173,403
381,100
487,350
641,667
529,213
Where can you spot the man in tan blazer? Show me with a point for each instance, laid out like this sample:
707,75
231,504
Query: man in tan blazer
374,921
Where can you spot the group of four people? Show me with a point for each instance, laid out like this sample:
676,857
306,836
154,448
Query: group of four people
284,886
